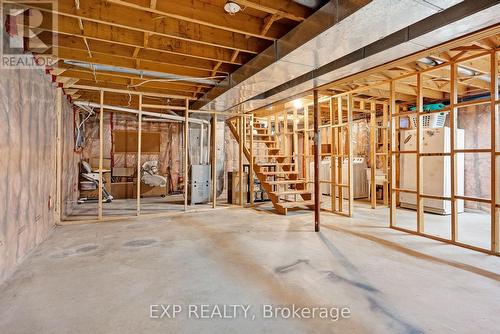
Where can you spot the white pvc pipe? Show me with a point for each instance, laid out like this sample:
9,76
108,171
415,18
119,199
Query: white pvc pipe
136,112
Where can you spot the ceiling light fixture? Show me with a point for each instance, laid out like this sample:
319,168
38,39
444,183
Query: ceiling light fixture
297,104
232,7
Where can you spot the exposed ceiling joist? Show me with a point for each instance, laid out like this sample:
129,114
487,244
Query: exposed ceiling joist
129,18
204,13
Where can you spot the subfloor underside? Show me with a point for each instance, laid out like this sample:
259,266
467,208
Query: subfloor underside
103,278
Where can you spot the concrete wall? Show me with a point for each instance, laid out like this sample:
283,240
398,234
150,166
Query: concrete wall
27,164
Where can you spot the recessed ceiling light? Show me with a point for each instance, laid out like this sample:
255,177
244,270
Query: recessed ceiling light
232,7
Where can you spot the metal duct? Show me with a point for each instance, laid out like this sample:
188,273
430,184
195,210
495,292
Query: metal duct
141,73
314,4
363,40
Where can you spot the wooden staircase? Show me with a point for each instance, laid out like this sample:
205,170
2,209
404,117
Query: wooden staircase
277,172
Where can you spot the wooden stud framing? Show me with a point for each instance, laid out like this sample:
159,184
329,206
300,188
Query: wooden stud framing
186,154
241,127
101,152
333,176
495,216
453,161
340,155
139,153
385,153
394,120
214,160
306,145
454,196
350,106
250,163
295,140
420,184
373,155
317,161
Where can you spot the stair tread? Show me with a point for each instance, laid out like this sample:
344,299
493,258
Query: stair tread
279,172
273,156
275,164
291,192
298,181
295,204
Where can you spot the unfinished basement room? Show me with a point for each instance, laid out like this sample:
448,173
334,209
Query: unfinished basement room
250,166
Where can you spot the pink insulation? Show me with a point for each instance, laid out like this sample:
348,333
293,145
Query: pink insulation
27,164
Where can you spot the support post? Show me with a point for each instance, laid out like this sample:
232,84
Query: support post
385,152
317,149
295,150
340,153
373,155
186,154
101,152
285,132
214,160
139,153
392,166
495,219
419,135
241,128
306,166
333,179
453,158
250,163
350,172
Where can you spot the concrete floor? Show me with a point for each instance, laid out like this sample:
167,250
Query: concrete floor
102,278
128,207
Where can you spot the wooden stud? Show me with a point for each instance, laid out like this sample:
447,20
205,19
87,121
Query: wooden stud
340,155
251,163
333,179
241,128
101,152
373,155
306,166
453,160
285,132
214,161
317,161
419,135
186,154
295,140
393,143
139,153
385,152
350,105
495,215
